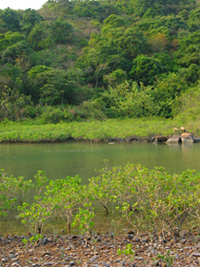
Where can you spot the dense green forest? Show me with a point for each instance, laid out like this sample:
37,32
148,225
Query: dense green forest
79,60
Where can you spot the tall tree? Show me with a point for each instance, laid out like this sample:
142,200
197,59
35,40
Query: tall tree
10,20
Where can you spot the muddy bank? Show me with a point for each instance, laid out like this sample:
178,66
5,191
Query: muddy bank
110,140
147,139
103,250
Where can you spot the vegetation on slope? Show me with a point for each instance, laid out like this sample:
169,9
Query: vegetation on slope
75,60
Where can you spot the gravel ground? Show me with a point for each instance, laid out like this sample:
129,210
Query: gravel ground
102,250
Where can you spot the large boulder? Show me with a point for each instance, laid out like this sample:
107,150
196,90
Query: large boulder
174,139
187,138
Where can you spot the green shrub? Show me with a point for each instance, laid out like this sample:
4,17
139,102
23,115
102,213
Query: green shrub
150,200
55,114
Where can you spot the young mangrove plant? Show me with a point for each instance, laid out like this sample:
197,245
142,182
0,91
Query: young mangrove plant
180,199
12,191
162,200
34,241
166,259
66,196
150,200
83,219
40,182
61,198
102,189
128,251
34,215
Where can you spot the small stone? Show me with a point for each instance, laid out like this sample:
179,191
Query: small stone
196,254
145,240
16,264
15,259
131,232
138,258
130,237
93,258
105,264
11,256
153,251
49,263
44,241
183,241
49,239
176,256
157,263
74,237
46,254
179,245
69,258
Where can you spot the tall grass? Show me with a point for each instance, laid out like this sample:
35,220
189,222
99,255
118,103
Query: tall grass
92,130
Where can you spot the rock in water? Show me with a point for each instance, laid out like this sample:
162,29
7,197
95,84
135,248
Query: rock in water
187,138
174,139
160,139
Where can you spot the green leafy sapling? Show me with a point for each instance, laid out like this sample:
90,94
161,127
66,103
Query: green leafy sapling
83,219
128,251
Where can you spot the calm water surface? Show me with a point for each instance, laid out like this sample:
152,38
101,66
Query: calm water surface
62,160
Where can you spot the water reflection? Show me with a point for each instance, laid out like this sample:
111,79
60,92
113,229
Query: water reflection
61,160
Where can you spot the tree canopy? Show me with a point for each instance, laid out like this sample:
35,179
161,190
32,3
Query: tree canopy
77,54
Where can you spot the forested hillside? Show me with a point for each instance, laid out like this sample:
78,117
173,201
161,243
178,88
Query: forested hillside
76,60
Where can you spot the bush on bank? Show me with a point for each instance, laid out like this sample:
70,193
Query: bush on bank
150,200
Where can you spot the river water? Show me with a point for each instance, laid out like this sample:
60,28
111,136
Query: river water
69,159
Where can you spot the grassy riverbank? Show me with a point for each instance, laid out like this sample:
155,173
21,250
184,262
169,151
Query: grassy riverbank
96,131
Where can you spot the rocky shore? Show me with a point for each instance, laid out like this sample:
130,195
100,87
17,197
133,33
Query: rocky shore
174,139
102,251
